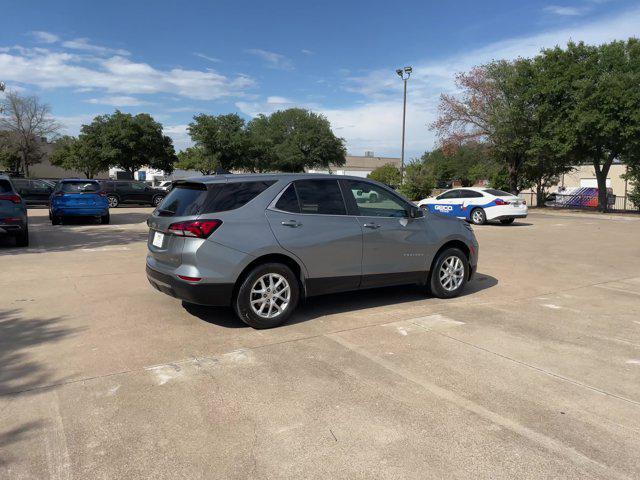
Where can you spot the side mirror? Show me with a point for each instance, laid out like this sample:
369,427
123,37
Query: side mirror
416,212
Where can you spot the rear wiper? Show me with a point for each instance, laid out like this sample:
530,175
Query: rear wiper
165,212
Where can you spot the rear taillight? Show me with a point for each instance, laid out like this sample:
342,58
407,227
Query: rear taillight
195,228
103,194
499,201
11,198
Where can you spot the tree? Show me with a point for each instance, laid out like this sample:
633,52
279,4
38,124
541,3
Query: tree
294,139
130,142
598,103
9,155
195,158
466,163
78,154
222,137
28,124
418,181
388,174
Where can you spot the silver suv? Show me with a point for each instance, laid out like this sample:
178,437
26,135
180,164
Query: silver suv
260,243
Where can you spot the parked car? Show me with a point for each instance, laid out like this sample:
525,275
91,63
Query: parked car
78,198
477,205
33,191
13,213
131,191
165,185
261,242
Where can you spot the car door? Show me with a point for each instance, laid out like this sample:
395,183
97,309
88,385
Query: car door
40,192
310,220
395,246
139,192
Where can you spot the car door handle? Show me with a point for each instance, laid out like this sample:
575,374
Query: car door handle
291,223
371,225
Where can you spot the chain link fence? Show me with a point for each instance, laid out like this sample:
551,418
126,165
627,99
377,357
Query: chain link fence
615,203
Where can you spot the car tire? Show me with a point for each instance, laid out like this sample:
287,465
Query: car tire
269,274
104,219
478,217
113,201
507,221
157,200
22,240
56,220
445,280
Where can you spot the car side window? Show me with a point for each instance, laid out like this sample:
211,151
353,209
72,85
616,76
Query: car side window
375,201
470,194
448,195
288,201
321,197
137,186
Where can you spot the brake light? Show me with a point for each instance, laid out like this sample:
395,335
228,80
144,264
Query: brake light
194,228
499,201
189,279
11,198
103,193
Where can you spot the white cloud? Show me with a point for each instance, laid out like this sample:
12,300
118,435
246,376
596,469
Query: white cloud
565,11
306,52
44,37
179,135
118,101
83,44
207,57
116,75
272,59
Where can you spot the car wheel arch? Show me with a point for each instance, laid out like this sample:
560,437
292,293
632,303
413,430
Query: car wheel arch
451,243
297,269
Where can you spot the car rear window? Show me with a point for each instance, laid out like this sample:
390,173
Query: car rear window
196,198
79,187
5,186
498,193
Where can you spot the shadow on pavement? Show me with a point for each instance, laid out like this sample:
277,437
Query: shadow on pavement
19,372
315,307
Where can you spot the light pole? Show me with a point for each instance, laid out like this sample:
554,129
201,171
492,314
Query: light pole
404,74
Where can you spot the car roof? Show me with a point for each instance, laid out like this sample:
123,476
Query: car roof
78,180
267,176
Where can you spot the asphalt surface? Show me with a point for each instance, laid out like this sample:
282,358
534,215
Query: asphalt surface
533,373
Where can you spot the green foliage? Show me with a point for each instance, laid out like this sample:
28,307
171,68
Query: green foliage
418,181
388,174
221,137
9,153
467,163
292,140
78,154
195,158
130,142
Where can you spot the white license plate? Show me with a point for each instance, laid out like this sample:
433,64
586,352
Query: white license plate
158,238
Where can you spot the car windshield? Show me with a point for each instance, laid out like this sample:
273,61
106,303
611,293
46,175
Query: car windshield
497,193
80,187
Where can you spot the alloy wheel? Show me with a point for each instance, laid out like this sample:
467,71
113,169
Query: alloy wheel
451,274
270,295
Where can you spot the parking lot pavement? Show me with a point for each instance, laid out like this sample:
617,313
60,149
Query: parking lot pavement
533,373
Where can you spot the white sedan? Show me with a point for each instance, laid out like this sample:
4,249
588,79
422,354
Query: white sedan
477,205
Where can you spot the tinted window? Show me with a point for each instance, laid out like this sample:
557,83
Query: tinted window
288,201
470,194
20,183
374,201
138,186
79,187
196,198
321,197
5,186
449,194
498,193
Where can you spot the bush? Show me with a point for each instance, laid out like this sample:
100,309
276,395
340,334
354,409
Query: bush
388,174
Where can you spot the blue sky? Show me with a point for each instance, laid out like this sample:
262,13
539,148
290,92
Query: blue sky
176,59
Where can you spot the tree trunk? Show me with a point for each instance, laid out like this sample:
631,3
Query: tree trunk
601,177
513,178
539,194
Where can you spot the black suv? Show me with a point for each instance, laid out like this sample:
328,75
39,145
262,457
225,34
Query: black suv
33,191
131,191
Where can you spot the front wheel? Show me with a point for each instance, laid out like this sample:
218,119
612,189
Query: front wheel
507,221
157,200
267,296
449,273
478,217
113,201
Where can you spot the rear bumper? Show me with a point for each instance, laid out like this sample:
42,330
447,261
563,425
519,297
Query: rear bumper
505,217
80,212
212,294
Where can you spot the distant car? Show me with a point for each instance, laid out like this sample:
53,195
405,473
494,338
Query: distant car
33,191
131,191
13,213
78,198
477,205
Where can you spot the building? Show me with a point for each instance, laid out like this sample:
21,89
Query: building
359,166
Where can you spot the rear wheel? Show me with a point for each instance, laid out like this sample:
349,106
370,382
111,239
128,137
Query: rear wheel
113,201
267,296
478,217
104,219
449,273
22,240
507,221
55,220
157,200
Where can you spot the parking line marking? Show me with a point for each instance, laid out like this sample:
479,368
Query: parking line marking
534,436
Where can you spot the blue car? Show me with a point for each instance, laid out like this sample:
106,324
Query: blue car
78,198
13,213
